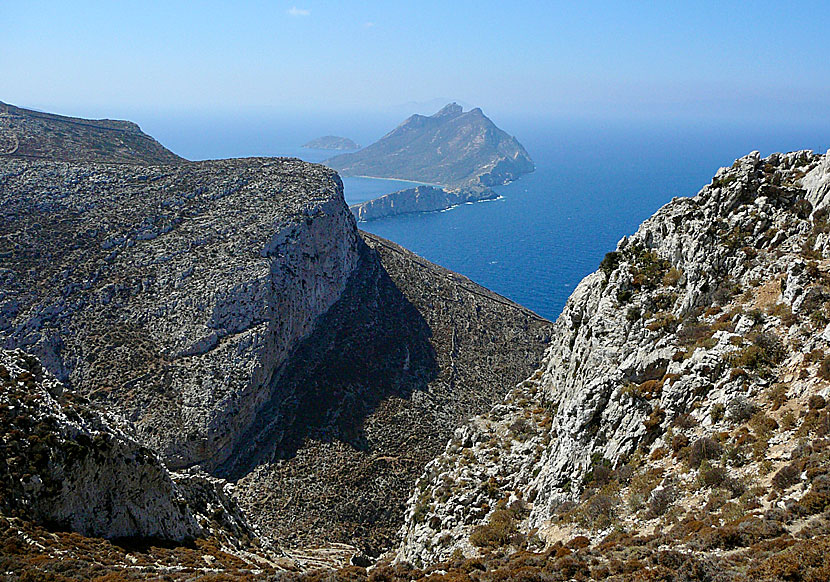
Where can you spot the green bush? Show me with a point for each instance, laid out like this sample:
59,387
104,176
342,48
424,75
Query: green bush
609,263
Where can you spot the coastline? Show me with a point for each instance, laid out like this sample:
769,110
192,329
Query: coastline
399,180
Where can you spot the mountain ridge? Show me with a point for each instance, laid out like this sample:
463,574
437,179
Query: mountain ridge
37,134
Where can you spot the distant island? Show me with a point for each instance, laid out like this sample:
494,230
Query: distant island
332,142
461,154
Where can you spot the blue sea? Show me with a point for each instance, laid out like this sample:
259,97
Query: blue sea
594,183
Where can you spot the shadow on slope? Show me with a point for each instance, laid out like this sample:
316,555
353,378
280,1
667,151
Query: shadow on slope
405,357
372,344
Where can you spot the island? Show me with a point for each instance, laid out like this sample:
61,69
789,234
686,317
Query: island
332,142
459,155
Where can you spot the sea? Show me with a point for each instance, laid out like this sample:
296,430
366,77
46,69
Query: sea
595,182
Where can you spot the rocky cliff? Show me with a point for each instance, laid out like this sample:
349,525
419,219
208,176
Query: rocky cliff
408,353
69,465
33,134
230,318
173,294
418,199
682,402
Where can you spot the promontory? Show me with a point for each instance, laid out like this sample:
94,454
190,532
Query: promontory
460,154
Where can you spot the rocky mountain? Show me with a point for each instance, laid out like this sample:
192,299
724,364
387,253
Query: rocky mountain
332,142
463,153
450,148
208,371
173,294
235,325
32,134
681,411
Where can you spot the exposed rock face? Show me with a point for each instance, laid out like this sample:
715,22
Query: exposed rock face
464,152
408,353
332,142
418,199
68,465
173,294
716,307
33,134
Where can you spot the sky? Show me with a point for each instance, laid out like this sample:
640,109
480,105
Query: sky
689,60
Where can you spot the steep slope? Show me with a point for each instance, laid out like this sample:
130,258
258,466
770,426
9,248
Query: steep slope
682,402
451,148
32,134
409,352
173,294
70,466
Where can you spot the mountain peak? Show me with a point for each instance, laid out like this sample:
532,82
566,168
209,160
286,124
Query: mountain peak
450,109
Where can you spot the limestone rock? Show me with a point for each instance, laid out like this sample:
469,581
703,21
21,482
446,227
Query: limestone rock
418,199
655,335
69,465
173,294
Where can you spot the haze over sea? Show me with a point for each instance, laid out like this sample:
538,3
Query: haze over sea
594,183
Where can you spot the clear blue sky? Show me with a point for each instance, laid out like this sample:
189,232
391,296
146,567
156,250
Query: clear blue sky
614,59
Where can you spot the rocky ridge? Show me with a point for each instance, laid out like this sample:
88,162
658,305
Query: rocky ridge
418,199
682,400
173,294
34,134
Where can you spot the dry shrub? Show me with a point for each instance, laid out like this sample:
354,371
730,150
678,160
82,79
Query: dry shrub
786,476
816,402
501,530
703,448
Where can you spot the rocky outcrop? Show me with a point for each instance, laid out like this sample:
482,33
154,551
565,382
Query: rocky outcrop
332,142
712,311
68,465
418,199
465,153
408,353
33,134
173,294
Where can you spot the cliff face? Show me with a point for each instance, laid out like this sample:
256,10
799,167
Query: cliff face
32,134
173,294
69,465
685,372
408,353
451,148
418,199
